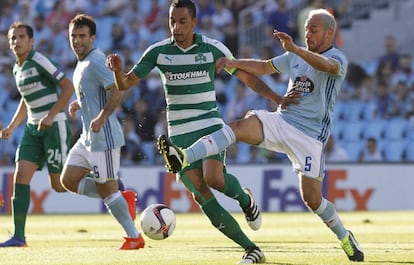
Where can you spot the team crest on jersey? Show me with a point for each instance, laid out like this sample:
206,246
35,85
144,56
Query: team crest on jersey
200,58
303,84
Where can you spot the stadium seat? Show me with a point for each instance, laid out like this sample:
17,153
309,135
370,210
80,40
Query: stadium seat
396,129
409,151
375,128
338,128
353,148
394,151
354,111
353,131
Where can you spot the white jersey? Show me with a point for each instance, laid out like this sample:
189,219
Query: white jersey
313,114
91,78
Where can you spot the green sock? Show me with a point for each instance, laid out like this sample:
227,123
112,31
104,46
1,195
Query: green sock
20,204
225,223
233,190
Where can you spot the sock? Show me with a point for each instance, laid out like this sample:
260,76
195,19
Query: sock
225,223
233,190
210,144
329,216
118,207
20,204
87,187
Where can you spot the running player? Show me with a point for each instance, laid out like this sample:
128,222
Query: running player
46,137
98,149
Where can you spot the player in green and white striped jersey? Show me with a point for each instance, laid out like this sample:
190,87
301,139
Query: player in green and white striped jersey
46,136
186,63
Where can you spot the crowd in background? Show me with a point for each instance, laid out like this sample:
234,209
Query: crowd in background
380,92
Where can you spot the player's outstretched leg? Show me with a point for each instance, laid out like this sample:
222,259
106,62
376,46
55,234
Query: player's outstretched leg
174,157
131,198
253,255
252,212
351,248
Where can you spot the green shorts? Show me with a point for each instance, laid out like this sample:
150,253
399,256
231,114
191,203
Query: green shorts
48,146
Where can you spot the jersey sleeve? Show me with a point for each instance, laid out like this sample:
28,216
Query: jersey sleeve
221,50
281,63
102,73
146,63
342,61
49,68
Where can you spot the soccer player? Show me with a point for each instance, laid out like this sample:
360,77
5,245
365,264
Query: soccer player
46,136
301,131
186,62
98,148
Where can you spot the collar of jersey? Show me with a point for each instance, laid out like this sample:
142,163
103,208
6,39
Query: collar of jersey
198,39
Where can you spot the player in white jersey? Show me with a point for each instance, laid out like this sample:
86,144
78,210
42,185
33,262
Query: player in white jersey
46,137
186,63
93,163
300,131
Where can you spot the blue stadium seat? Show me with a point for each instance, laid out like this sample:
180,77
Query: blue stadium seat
353,148
354,111
394,150
396,129
337,129
353,131
375,128
409,151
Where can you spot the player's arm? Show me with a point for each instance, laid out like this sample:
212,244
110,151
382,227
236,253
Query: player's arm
18,117
247,69
123,81
114,98
257,67
261,88
66,93
316,60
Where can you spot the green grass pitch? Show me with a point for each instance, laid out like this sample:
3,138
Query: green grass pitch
286,238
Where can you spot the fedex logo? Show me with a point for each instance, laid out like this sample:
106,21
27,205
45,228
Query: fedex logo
287,197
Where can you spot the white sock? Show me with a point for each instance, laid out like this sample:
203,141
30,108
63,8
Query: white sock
211,144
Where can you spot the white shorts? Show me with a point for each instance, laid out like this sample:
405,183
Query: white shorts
104,165
304,152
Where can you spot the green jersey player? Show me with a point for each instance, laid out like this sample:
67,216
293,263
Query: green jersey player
46,135
186,63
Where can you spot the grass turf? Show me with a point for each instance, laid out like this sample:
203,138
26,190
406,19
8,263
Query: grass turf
286,238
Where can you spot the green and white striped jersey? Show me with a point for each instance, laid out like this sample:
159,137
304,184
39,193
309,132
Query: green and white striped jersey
188,79
37,81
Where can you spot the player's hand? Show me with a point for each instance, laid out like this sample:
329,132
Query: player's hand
285,40
73,108
45,123
291,97
114,62
224,62
97,124
5,133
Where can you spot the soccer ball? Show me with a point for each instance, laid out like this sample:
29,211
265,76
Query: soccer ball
157,221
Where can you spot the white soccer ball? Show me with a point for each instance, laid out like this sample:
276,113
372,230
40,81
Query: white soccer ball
157,221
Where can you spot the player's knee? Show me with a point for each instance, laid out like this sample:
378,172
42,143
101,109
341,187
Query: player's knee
58,187
201,196
312,201
214,182
66,185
